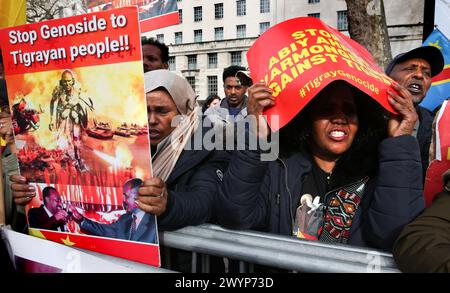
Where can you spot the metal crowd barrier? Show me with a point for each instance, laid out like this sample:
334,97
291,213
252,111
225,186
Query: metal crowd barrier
282,252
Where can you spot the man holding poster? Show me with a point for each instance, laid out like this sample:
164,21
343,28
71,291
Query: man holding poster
362,170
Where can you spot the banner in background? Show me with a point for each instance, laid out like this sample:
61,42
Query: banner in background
153,14
306,56
440,87
76,91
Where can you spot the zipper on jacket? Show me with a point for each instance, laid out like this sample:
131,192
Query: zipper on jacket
289,192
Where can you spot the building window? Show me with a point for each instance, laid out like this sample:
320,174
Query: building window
191,81
160,38
212,60
172,65
198,36
241,31
316,15
178,38
342,23
192,62
218,10
236,58
218,33
264,6
241,8
263,26
313,1
198,13
180,15
212,85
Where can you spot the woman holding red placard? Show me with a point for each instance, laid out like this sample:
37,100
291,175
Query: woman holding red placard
345,173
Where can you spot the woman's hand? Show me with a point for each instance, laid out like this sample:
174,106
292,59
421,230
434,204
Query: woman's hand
22,192
404,122
153,196
6,127
259,98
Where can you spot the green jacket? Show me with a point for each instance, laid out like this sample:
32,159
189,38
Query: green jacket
10,166
424,244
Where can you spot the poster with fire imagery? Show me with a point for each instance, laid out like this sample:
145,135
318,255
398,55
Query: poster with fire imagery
76,92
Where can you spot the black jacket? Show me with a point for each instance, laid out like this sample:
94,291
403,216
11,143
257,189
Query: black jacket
264,196
38,218
192,187
424,134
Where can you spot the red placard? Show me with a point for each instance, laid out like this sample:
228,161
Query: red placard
441,163
299,57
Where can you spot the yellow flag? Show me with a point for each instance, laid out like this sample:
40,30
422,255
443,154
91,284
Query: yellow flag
12,12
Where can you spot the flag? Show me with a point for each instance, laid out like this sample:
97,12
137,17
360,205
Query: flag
440,87
12,12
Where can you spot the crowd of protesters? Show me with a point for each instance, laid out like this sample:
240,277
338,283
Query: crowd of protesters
366,167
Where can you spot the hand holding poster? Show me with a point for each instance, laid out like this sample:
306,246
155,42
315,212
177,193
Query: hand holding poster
76,91
299,57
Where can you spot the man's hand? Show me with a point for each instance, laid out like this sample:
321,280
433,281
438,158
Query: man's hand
404,122
61,216
75,214
22,192
153,196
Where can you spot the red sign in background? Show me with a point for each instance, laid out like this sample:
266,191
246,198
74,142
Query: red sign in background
299,57
433,177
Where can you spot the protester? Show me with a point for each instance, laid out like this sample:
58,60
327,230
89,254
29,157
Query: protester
365,171
424,244
15,216
234,106
211,101
155,55
414,70
185,183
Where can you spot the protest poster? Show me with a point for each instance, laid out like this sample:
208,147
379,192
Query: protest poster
441,148
76,91
153,14
299,57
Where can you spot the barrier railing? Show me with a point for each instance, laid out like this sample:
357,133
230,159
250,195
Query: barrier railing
250,248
